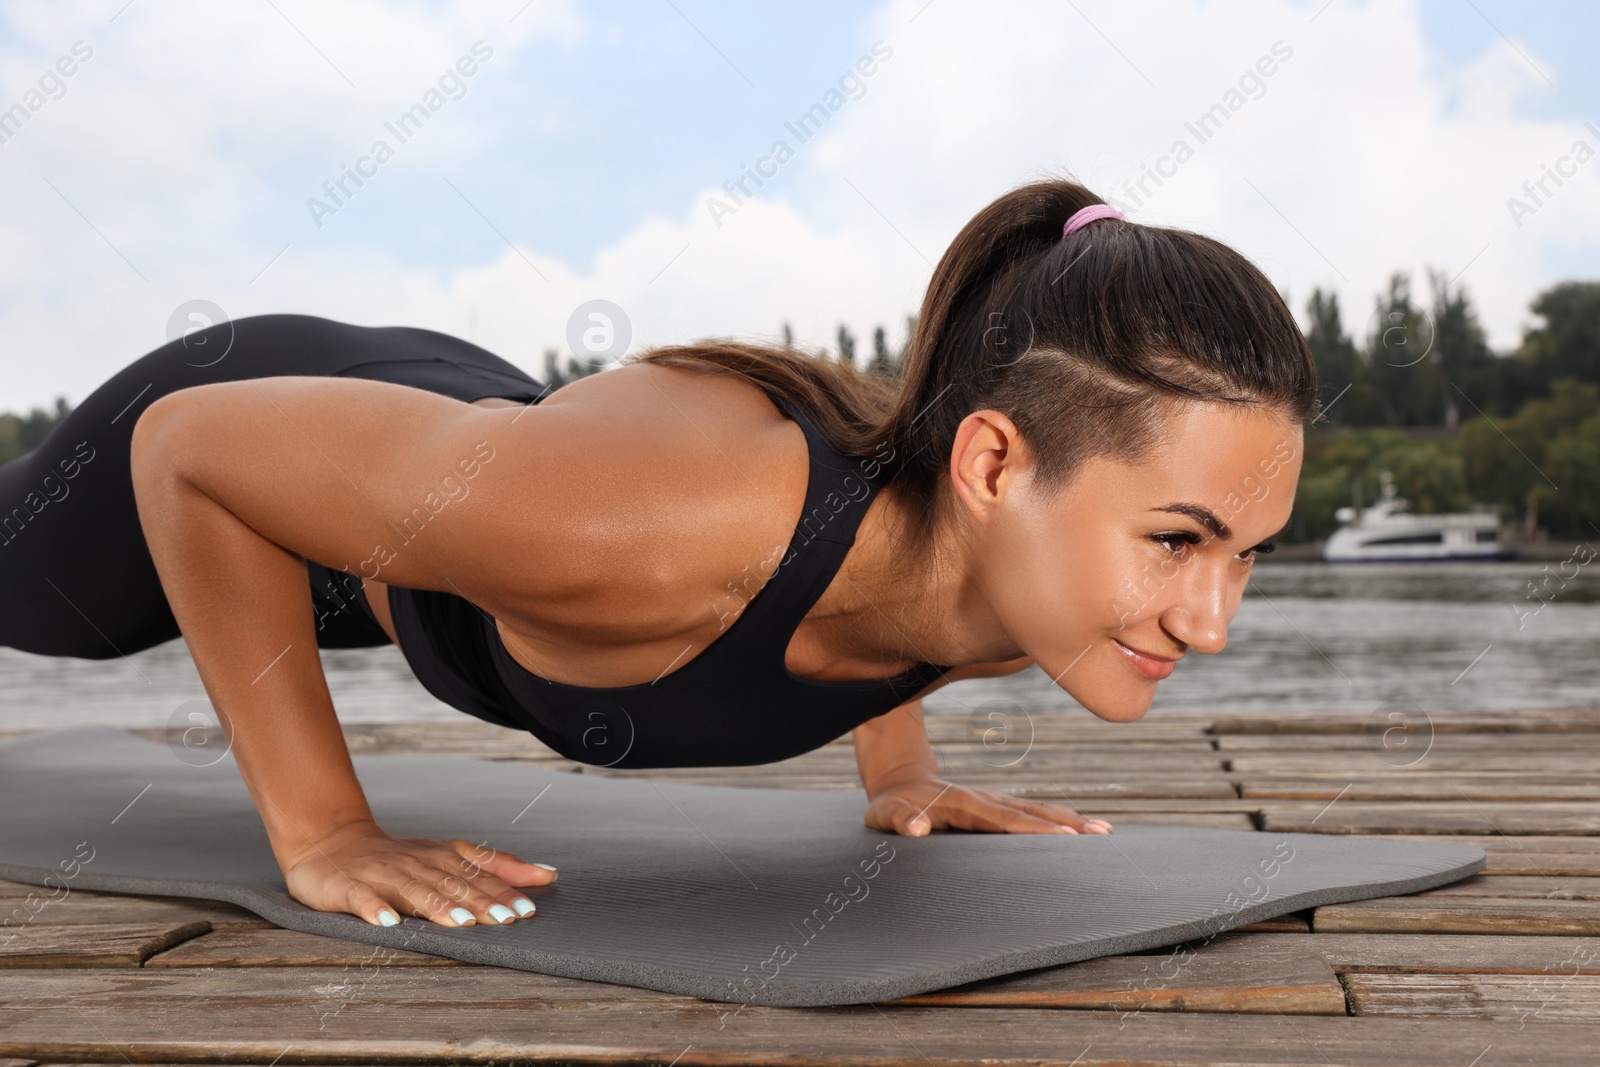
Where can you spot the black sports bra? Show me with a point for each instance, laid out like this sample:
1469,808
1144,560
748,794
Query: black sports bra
733,704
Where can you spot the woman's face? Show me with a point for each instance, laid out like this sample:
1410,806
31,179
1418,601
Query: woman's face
1111,580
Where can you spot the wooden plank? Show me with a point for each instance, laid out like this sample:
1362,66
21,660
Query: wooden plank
1423,787
310,1015
1511,998
1163,788
1269,977
1368,764
1536,720
81,908
1400,817
13,892
1427,913
286,948
1532,887
1552,856
1576,846
1445,953
1418,736
101,945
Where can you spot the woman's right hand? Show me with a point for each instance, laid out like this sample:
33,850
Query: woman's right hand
360,869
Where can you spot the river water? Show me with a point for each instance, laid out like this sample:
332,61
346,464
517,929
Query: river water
1308,637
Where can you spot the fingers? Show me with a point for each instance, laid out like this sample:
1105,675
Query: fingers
1003,813
365,902
1057,813
442,883
903,817
506,868
980,810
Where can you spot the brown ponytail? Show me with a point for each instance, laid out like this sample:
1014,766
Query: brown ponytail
1084,342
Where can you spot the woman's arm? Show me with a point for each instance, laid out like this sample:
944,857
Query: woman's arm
236,485
906,795
893,749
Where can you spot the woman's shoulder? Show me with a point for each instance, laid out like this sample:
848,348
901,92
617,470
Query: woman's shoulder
656,486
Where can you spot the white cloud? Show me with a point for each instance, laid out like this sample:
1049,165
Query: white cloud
179,140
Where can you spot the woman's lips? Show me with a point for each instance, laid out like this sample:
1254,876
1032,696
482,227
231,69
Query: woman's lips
1149,666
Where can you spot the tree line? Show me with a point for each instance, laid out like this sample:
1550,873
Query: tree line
1419,393
1416,391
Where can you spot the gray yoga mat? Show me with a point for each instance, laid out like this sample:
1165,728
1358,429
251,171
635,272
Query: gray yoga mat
762,896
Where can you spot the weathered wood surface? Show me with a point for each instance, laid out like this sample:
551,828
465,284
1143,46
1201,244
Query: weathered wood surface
1512,998
273,947
1417,740
1447,953
1427,913
1532,854
1533,721
1442,817
1452,787
79,907
1499,968
1530,886
1242,975
302,1015
98,945
1363,764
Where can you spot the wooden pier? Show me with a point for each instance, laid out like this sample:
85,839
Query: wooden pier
1503,968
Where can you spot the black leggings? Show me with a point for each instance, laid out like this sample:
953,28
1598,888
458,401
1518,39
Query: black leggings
76,578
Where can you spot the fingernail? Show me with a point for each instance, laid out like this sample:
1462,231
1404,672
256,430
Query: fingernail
920,826
552,870
386,918
462,916
501,914
524,906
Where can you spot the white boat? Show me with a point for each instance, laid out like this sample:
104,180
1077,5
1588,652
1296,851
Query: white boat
1388,531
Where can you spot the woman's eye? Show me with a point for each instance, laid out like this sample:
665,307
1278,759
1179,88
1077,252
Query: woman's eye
1175,542
1249,554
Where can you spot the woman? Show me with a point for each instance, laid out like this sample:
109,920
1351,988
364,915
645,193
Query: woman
716,554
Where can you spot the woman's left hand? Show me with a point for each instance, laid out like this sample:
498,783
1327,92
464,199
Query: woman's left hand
917,808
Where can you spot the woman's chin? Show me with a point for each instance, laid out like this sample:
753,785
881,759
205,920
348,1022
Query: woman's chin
1120,707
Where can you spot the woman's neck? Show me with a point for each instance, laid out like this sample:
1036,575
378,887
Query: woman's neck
890,607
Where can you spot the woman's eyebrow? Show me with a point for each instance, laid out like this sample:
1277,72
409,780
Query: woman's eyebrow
1203,516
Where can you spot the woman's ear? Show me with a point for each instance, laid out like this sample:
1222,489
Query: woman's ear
986,457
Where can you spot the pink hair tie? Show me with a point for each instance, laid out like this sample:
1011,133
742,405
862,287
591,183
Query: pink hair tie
1083,216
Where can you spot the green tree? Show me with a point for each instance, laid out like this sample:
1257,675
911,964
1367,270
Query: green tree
1515,461
1469,372
882,362
847,345
1567,343
1402,365
1338,361
21,434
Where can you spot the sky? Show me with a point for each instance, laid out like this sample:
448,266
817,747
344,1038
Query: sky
585,156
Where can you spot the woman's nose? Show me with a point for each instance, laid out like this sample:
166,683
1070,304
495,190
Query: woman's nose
1200,619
